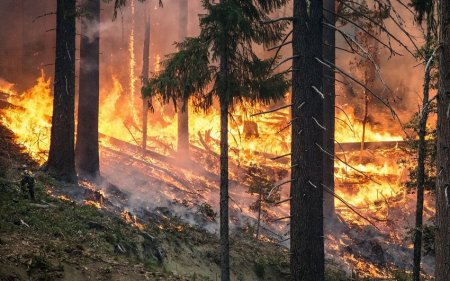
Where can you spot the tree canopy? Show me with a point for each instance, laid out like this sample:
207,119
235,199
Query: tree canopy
230,27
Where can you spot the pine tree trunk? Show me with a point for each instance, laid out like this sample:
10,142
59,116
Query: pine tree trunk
183,113
224,224
443,152
61,159
224,101
418,230
87,155
329,107
145,71
307,243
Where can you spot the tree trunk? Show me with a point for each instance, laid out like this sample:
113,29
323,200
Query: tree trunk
329,91
61,159
418,230
224,227
307,243
183,113
443,152
260,198
365,118
224,101
88,102
145,71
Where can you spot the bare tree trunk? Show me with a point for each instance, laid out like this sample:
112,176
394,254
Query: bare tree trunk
307,243
443,151
329,91
145,71
224,224
224,101
418,230
259,211
87,155
61,160
183,112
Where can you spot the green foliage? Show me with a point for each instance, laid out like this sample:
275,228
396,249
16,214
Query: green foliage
259,270
370,17
430,153
228,31
261,184
422,8
428,237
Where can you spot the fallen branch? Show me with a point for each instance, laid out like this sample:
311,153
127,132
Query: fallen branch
327,189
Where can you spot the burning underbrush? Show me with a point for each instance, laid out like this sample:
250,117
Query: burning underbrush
368,238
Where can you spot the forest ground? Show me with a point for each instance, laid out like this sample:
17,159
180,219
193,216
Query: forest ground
57,238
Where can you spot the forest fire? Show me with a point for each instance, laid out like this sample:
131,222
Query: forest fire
308,147
372,182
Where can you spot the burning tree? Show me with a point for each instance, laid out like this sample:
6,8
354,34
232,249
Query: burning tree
61,159
228,31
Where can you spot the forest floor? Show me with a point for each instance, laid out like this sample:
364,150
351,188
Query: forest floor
55,237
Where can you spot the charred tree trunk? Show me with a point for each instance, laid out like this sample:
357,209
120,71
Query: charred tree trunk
443,151
145,71
183,112
307,243
329,91
87,158
418,230
61,159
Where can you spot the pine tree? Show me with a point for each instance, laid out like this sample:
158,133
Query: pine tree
87,154
427,55
61,160
228,31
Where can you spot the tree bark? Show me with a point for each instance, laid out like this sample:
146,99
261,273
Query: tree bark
307,243
443,151
61,160
329,107
183,112
145,71
87,155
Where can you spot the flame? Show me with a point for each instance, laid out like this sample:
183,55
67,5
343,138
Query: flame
30,120
349,129
131,219
92,203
